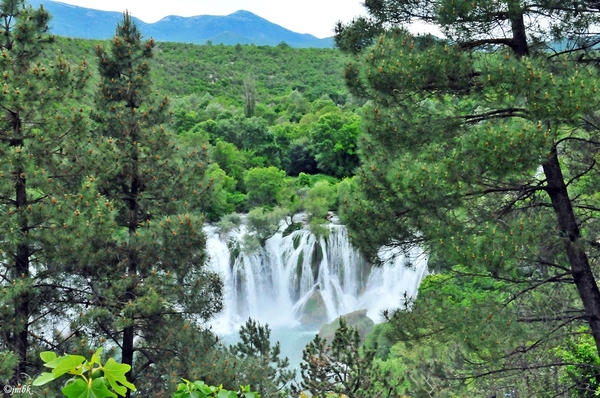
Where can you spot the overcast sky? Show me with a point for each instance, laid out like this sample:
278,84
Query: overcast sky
317,17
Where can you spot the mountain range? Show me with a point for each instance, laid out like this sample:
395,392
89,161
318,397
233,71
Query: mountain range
241,27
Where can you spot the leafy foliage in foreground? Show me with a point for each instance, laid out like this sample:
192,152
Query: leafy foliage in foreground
198,389
90,378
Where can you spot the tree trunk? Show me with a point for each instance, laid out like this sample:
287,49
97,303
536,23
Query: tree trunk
129,332
576,255
20,340
127,353
519,39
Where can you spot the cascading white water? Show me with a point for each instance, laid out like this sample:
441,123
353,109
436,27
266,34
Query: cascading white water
302,278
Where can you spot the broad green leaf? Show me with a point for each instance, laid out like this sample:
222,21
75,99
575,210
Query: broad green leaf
100,390
80,389
66,364
245,388
54,363
189,394
43,379
180,394
114,372
96,356
204,388
75,389
48,356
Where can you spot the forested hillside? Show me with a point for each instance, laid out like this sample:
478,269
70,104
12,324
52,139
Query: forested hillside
181,69
261,107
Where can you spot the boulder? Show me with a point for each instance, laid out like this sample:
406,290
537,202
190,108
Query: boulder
314,311
357,319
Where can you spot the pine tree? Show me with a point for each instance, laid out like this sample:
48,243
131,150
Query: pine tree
42,134
260,361
249,96
342,366
152,279
481,148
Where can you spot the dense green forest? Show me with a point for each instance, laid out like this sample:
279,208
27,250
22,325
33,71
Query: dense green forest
481,149
261,108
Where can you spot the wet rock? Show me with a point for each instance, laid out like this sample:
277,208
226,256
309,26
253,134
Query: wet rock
357,319
314,311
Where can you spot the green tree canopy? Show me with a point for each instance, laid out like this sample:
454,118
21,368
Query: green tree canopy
265,185
334,139
262,361
481,148
153,281
341,366
42,135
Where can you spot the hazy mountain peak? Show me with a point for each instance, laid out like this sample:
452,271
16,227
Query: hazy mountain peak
242,27
244,13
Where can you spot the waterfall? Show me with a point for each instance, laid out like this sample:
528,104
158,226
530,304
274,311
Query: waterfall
304,279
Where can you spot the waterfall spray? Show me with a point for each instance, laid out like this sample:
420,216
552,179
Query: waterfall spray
302,278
